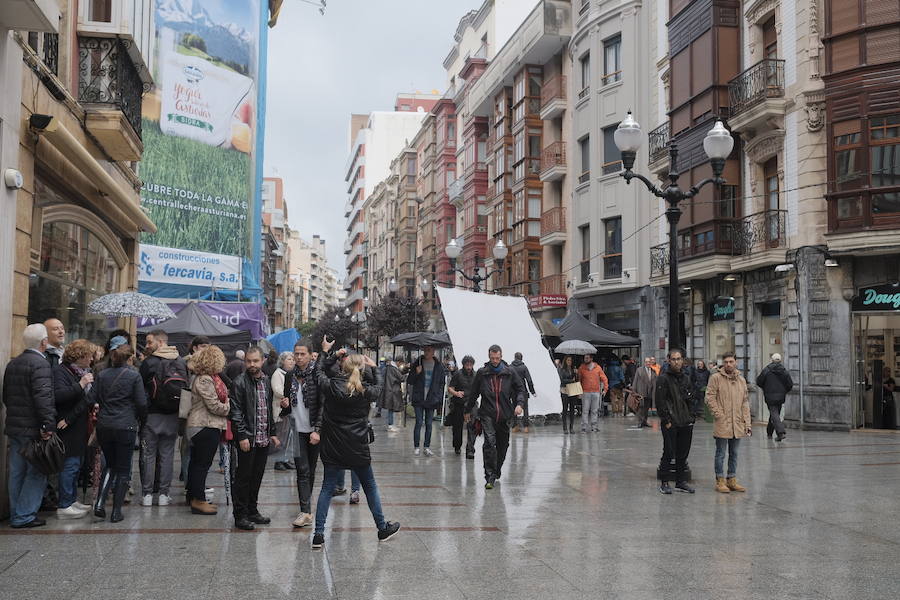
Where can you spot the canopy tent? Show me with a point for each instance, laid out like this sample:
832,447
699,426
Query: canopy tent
577,327
546,327
284,341
190,322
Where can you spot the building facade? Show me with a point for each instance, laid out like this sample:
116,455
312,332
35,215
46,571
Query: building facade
276,255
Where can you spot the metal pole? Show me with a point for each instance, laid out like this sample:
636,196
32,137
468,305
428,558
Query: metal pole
673,215
800,333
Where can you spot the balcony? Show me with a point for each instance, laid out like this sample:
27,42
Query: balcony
455,192
553,98
554,285
553,227
30,15
659,149
757,97
760,240
110,89
553,162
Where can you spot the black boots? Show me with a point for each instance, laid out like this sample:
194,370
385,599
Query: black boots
119,491
106,482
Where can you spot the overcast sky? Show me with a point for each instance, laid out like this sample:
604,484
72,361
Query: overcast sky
355,59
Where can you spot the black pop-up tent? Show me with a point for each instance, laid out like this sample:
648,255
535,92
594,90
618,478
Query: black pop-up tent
576,327
190,321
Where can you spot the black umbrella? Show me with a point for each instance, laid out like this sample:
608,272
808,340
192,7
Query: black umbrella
420,339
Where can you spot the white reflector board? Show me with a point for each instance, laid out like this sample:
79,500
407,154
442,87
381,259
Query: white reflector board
476,321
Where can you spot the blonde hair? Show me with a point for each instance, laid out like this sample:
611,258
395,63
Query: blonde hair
209,361
353,366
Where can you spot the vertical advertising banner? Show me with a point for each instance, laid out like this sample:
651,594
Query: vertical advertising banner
199,133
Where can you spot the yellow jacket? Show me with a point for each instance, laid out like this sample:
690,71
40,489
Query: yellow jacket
726,397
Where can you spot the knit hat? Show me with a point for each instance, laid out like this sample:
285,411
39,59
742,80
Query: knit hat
776,357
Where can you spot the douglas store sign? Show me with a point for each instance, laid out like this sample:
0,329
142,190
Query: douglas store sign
874,298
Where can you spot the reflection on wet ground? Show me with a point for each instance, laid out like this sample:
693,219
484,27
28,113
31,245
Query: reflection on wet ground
573,517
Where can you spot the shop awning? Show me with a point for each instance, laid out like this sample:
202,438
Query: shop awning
576,327
547,328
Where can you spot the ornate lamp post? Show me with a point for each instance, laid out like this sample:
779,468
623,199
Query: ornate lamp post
453,250
717,145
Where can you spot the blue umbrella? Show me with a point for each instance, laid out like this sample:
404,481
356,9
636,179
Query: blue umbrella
284,341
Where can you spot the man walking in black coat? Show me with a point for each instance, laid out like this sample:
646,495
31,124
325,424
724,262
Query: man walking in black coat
678,407
775,382
459,386
522,371
502,395
253,426
30,413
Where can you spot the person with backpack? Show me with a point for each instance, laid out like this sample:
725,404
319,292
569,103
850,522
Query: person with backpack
165,375
775,382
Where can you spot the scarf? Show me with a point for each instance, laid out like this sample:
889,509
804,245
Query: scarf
304,377
79,373
222,395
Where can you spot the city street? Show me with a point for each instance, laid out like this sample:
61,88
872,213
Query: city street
573,517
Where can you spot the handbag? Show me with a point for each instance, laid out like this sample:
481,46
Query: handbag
185,403
574,389
46,456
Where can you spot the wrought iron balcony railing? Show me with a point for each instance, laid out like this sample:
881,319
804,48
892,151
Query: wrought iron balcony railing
659,142
763,80
107,75
659,260
760,231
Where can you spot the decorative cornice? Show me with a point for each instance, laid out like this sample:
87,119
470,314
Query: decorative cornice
759,10
765,146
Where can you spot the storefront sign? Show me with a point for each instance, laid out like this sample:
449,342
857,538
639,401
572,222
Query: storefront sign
246,316
200,136
877,298
721,309
186,267
545,300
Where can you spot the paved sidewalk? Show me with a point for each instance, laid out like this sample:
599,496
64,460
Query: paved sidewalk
573,517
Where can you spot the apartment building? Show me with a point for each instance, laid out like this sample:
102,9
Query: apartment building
71,210
276,255
317,281
375,140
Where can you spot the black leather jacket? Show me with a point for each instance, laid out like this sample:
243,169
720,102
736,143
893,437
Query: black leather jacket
500,392
243,400
676,399
345,418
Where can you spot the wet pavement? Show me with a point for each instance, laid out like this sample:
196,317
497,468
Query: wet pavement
573,517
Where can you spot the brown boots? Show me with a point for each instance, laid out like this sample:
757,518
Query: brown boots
726,486
734,486
202,507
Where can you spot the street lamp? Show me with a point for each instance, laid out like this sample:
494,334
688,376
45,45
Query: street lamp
794,265
453,250
717,145
393,286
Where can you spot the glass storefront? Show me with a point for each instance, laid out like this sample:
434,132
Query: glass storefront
75,268
720,330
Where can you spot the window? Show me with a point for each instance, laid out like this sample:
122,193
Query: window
770,38
451,134
612,60
585,63
584,145
612,158
726,207
411,166
100,11
847,145
770,174
612,257
585,231
884,150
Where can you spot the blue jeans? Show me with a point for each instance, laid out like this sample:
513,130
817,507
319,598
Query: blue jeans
732,445
330,482
354,481
389,419
423,416
68,481
26,485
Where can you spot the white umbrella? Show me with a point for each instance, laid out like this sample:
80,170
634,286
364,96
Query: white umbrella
130,304
575,347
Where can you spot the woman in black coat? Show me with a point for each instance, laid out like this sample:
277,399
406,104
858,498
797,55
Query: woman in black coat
344,435
72,386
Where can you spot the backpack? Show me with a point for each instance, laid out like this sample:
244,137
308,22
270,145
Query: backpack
168,383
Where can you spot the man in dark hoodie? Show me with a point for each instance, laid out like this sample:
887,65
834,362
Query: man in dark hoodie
502,395
163,372
522,371
460,384
775,382
678,406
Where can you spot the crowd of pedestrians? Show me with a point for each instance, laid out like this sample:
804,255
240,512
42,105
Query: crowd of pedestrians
305,407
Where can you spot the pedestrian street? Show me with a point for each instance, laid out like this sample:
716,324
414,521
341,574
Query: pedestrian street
572,517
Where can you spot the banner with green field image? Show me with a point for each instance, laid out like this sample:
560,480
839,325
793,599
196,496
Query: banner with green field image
199,135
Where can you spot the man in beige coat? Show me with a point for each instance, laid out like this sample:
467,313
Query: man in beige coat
726,396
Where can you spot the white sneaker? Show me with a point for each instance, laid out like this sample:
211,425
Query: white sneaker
147,500
81,506
70,512
428,452
392,429
417,452
164,500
